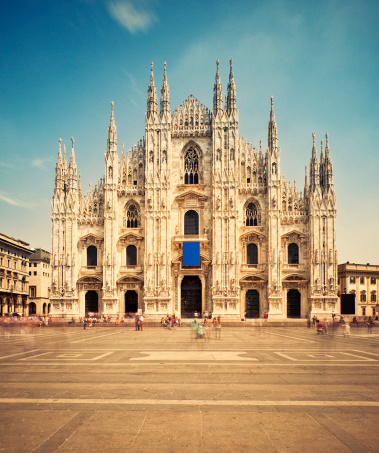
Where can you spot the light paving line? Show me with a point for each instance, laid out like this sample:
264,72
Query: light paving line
303,363
19,353
153,402
363,352
93,338
292,338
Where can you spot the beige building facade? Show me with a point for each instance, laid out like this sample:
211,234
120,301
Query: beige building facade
195,218
14,277
39,282
358,286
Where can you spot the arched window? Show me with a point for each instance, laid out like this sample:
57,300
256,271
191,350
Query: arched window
252,254
251,215
91,256
132,217
191,167
131,255
191,222
293,254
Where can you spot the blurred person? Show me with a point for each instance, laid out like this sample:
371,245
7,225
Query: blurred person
346,330
218,328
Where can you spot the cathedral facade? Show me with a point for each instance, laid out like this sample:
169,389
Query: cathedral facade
194,218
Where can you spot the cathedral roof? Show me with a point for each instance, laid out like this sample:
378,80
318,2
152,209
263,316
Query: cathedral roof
191,117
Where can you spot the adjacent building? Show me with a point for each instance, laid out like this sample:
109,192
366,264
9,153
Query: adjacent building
39,282
358,288
195,218
14,277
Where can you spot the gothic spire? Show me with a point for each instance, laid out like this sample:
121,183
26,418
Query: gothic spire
112,132
231,103
165,94
314,167
72,156
152,100
217,92
272,137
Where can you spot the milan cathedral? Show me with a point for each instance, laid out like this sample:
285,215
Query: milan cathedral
194,218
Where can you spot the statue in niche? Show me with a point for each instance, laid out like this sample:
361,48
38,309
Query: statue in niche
231,202
316,257
108,260
163,203
274,201
176,229
218,204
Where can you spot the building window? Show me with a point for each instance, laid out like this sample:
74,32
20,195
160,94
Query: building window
35,264
362,280
252,254
191,222
293,254
373,296
363,311
352,279
373,281
131,255
191,167
251,215
30,272
363,297
1,282
35,273
32,291
132,217
91,256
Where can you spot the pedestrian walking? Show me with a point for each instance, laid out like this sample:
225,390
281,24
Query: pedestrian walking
137,322
218,328
141,319
369,325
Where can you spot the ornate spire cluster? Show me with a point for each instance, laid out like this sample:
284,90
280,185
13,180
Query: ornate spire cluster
152,99
321,172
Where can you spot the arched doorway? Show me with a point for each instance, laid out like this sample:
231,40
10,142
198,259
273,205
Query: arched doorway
293,304
32,308
44,308
190,296
92,302
131,302
252,304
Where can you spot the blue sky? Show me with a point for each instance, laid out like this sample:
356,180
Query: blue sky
63,62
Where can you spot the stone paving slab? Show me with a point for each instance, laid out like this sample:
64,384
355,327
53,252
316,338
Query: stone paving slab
87,392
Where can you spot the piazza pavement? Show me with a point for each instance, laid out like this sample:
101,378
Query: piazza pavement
257,389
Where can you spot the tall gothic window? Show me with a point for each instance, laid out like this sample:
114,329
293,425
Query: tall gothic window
191,222
252,254
91,256
293,254
251,215
132,217
131,255
191,167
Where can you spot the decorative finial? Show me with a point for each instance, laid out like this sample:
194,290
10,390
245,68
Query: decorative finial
151,65
314,138
60,144
72,141
327,140
272,101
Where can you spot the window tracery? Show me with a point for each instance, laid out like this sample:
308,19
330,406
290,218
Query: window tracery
252,216
131,220
191,167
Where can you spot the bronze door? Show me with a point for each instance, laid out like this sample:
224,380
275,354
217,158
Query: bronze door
191,296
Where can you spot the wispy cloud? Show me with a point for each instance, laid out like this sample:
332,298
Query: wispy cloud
40,163
134,16
4,164
15,201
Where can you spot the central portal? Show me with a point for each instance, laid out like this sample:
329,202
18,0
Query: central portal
191,296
